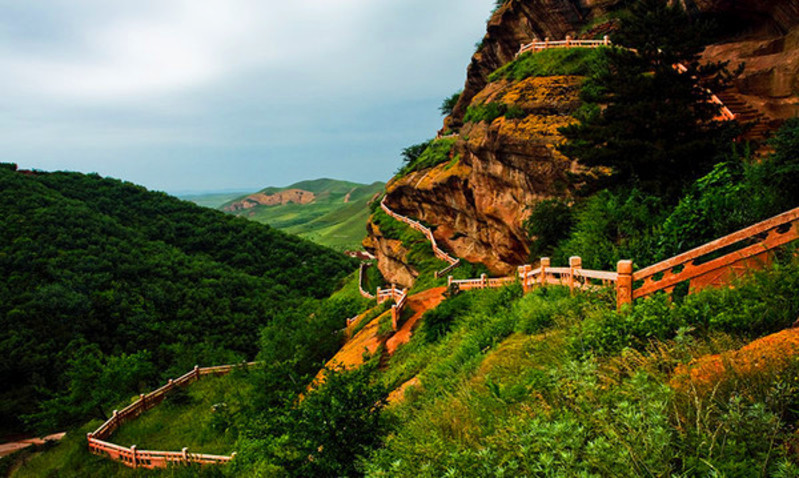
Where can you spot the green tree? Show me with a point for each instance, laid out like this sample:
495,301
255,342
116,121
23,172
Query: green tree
551,222
95,383
449,103
336,425
412,153
656,128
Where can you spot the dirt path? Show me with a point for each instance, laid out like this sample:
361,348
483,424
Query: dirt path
419,304
11,447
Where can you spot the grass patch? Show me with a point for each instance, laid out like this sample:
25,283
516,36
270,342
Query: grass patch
439,151
554,62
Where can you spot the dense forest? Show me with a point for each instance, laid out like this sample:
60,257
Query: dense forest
107,283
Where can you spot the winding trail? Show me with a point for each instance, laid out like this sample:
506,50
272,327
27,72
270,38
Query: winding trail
14,446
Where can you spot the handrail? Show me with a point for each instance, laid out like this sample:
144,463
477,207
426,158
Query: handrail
483,282
574,276
725,113
416,225
769,234
400,298
363,291
132,457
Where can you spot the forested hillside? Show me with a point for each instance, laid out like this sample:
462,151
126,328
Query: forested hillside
108,283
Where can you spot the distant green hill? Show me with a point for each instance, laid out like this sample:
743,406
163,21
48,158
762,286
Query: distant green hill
327,211
99,276
211,200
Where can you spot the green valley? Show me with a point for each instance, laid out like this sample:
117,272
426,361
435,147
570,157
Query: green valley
329,212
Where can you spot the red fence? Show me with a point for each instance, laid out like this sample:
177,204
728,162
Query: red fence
399,296
714,264
136,458
439,253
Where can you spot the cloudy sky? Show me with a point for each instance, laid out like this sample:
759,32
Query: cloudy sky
200,95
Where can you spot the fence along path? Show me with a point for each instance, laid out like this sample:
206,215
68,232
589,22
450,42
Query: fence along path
714,264
725,114
135,458
439,253
361,273
400,297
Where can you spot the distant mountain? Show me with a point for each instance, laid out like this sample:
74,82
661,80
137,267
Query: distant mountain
212,199
327,211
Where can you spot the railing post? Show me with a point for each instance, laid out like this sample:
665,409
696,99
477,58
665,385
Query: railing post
624,283
115,414
606,40
575,264
394,317
449,281
568,41
135,462
196,372
185,453
143,399
483,281
544,265
546,43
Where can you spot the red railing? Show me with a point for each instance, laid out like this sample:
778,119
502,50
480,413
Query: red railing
714,264
400,297
437,251
135,458
483,282
363,291
536,45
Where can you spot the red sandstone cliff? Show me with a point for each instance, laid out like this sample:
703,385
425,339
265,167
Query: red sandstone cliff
477,203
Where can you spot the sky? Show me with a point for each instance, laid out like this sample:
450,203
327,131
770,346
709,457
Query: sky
210,95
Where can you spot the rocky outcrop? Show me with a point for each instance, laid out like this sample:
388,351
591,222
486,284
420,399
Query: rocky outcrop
519,21
297,196
478,201
391,257
480,198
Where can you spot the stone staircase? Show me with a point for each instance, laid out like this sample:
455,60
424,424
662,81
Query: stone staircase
748,116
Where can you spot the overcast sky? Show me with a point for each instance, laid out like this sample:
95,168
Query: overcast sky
196,95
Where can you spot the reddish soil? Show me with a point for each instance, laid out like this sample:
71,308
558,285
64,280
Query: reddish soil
9,448
765,356
419,303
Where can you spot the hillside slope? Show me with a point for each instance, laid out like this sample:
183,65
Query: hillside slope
98,269
327,211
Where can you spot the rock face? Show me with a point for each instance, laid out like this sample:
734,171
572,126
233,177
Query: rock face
478,201
391,257
297,196
519,21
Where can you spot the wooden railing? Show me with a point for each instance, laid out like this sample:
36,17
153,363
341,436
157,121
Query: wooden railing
135,458
416,225
714,264
361,274
536,45
574,276
483,282
400,297
709,265
725,114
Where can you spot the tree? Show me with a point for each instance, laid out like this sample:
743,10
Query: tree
551,222
656,126
449,103
336,424
412,153
96,382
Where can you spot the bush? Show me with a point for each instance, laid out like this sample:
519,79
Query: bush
550,223
437,322
554,62
436,152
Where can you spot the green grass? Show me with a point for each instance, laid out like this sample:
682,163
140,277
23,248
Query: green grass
211,200
184,419
328,220
439,151
554,62
187,419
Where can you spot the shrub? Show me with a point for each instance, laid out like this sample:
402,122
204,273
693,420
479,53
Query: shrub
550,223
436,152
554,62
437,322
449,103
